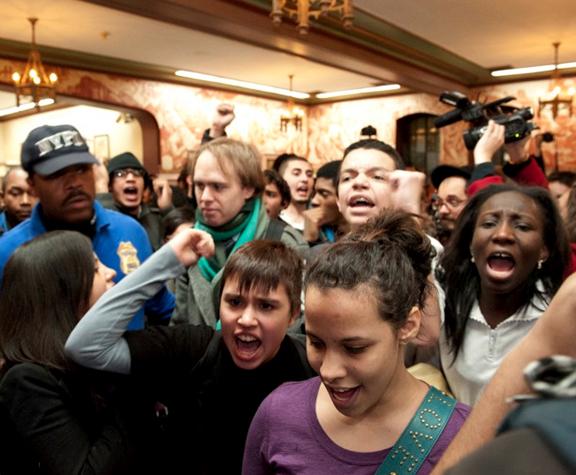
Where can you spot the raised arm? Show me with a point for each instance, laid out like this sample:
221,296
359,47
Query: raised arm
554,333
407,187
222,118
97,341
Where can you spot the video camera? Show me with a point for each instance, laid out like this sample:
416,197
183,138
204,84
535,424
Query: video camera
514,119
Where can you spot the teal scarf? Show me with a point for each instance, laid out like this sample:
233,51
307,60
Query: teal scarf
243,225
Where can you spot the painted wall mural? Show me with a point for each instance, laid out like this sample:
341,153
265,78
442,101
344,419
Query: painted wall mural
184,112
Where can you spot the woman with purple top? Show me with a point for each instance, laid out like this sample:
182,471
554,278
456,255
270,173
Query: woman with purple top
365,413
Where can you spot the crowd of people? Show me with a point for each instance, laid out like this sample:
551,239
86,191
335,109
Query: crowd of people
288,320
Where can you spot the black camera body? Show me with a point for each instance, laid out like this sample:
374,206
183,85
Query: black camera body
515,120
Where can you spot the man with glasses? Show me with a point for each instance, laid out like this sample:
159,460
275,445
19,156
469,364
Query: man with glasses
127,181
450,184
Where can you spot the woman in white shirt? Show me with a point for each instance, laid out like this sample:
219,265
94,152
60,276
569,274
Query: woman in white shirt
505,261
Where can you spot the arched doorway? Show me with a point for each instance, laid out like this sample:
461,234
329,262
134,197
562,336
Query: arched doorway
418,141
108,128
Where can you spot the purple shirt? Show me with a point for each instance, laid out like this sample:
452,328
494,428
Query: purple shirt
285,437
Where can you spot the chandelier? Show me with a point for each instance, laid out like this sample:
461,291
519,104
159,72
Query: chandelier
559,97
34,83
303,10
293,116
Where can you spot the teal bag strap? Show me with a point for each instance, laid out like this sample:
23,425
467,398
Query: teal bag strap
417,440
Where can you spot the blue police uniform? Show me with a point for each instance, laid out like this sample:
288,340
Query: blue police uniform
119,242
3,223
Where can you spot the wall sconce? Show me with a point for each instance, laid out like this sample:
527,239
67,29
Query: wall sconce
559,98
293,116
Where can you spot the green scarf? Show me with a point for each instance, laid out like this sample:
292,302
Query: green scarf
243,225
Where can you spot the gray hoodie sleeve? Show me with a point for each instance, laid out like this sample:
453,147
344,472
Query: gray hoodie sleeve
97,340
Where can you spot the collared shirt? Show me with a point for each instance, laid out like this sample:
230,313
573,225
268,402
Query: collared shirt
119,242
484,348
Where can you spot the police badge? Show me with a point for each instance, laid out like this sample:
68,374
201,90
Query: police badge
128,257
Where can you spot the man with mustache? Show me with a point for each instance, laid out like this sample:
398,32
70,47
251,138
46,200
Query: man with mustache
61,175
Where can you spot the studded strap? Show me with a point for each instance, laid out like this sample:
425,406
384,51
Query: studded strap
417,440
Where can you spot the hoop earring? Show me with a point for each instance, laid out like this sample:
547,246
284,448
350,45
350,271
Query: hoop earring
540,262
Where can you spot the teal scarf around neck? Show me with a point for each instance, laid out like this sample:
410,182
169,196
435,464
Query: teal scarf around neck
243,225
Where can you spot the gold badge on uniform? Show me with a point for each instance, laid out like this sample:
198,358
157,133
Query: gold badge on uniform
128,257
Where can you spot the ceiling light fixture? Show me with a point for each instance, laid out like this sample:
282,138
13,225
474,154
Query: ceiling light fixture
559,97
34,83
303,10
544,68
293,116
25,107
362,90
242,84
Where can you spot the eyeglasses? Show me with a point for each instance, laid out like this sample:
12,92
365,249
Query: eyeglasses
124,172
451,202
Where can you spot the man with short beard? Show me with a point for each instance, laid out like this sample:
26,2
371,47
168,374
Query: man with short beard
61,175
18,200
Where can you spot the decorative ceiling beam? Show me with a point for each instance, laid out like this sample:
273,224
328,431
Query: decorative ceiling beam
361,51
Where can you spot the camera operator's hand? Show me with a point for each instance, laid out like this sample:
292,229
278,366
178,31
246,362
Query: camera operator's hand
517,151
222,118
407,188
489,143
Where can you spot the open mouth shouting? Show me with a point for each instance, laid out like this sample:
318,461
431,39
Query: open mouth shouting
500,265
246,347
303,190
360,204
131,193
